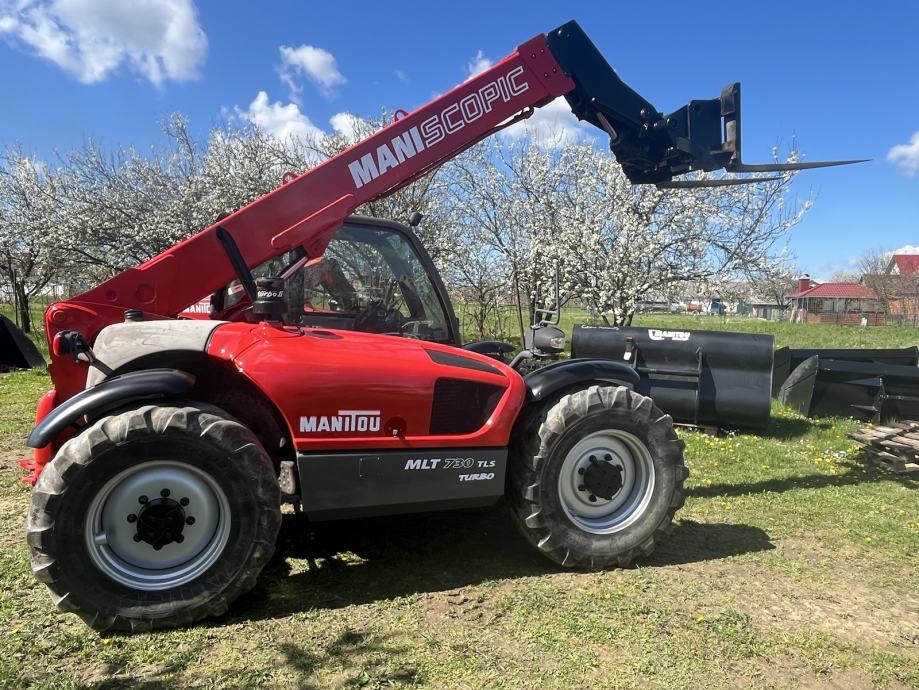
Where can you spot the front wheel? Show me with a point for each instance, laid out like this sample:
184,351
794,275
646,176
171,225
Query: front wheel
597,477
154,517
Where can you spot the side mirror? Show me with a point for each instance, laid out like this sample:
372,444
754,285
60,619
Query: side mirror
548,340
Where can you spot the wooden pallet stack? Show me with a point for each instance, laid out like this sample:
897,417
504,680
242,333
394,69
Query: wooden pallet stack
895,447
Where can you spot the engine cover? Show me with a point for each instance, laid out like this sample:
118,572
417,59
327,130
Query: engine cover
347,391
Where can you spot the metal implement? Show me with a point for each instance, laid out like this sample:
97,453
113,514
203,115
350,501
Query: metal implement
697,377
788,359
17,351
822,387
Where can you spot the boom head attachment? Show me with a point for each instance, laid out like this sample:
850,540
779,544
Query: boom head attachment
653,148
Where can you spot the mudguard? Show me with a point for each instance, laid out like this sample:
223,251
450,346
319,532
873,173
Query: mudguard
547,380
112,393
489,347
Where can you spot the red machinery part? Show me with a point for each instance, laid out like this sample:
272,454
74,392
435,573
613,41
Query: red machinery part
40,456
395,379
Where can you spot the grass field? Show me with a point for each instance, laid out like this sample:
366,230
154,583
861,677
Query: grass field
793,564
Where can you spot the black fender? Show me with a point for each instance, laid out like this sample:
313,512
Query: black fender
570,372
489,347
108,395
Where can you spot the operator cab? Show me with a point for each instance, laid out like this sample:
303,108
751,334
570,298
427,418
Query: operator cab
374,277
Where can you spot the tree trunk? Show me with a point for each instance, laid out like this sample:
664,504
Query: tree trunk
22,304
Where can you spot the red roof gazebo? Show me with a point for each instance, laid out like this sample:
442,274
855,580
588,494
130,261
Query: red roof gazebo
850,304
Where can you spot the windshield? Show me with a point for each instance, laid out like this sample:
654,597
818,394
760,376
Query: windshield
370,279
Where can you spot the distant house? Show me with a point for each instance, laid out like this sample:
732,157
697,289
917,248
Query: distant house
767,309
849,304
903,265
900,286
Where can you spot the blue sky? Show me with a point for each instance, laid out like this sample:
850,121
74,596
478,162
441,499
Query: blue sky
841,76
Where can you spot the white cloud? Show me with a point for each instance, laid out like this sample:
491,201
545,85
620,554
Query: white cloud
159,39
401,76
906,249
316,64
906,156
552,125
282,121
478,64
345,124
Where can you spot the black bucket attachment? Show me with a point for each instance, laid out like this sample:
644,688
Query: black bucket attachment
708,378
16,350
789,359
872,391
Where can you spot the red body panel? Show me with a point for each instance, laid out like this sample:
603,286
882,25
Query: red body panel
319,373
41,456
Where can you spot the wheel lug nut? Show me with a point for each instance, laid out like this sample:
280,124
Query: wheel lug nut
179,538
190,520
581,487
183,502
132,518
580,470
157,547
137,537
608,457
164,493
142,499
593,459
592,498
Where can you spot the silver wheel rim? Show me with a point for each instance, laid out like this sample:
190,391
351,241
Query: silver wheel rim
614,514
111,525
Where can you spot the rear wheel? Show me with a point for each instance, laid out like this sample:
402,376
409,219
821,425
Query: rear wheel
597,477
155,517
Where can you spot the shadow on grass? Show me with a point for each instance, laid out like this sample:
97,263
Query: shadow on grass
783,428
856,474
351,648
394,557
350,645
693,542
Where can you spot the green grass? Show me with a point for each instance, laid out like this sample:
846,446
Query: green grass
792,564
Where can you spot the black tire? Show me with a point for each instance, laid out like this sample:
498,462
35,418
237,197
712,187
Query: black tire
541,445
203,438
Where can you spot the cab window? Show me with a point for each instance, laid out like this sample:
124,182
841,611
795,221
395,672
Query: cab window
369,279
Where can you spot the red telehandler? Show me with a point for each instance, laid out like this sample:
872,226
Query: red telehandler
329,373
